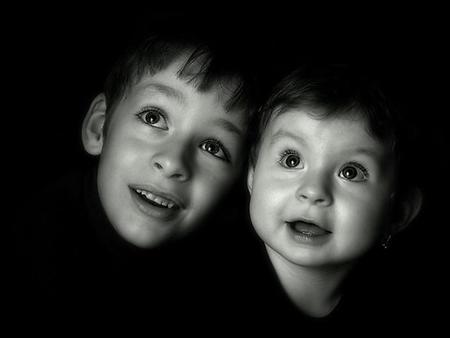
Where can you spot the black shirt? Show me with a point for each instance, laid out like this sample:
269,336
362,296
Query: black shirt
71,265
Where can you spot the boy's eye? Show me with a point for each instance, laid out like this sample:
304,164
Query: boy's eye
215,148
153,117
354,172
290,159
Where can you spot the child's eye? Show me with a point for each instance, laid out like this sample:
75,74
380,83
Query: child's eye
354,172
215,148
290,159
153,117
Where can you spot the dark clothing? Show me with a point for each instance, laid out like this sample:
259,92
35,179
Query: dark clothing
71,265
376,299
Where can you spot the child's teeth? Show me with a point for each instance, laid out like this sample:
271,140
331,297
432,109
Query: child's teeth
160,201
156,199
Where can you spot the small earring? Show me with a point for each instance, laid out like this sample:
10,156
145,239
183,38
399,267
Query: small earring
387,242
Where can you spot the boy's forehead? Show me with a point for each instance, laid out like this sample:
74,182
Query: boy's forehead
193,73
168,83
166,86
171,83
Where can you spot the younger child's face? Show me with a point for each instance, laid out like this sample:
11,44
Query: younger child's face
320,190
170,152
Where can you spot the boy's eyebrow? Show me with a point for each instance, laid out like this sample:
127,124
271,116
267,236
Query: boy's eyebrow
166,90
228,125
172,92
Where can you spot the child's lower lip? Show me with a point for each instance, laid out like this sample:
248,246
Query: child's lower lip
308,233
152,210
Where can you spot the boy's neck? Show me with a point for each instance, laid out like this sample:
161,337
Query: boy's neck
315,291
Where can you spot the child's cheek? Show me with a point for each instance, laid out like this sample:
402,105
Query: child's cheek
367,210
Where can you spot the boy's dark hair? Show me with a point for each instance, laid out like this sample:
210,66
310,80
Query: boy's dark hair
342,89
208,63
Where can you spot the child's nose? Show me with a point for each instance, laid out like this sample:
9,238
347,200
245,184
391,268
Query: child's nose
172,163
314,189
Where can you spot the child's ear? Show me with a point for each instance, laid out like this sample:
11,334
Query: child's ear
408,209
251,171
92,128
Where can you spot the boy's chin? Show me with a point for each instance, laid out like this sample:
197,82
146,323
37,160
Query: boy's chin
146,236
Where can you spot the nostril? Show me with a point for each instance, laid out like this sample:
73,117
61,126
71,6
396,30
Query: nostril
170,167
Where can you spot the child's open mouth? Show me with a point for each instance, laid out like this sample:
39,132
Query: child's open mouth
307,230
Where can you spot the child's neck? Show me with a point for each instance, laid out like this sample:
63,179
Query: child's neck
315,291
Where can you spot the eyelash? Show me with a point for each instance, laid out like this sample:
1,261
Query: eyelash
226,158
284,154
359,166
141,116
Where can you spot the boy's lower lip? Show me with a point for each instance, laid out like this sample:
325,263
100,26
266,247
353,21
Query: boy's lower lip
151,210
304,232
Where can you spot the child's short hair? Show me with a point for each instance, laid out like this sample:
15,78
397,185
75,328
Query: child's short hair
205,66
341,89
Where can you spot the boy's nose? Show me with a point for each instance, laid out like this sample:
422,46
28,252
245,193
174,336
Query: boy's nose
314,189
172,164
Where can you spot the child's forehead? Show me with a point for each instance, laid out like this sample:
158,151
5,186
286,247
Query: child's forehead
347,130
316,115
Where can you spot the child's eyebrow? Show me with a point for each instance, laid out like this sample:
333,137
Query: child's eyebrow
371,153
228,125
285,133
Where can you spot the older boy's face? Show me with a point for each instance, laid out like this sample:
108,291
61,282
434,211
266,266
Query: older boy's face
169,154
320,191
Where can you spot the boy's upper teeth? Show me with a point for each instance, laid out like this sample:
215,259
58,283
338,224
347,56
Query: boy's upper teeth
157,199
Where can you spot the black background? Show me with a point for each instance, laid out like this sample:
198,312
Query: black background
57,58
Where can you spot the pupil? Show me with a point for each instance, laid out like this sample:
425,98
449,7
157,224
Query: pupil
349,173
292,161
212,148
152,118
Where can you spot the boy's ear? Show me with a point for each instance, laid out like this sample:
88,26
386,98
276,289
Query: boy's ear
409,208
92,128
251,171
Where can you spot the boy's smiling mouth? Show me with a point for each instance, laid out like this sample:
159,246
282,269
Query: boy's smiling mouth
155,203
156,200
